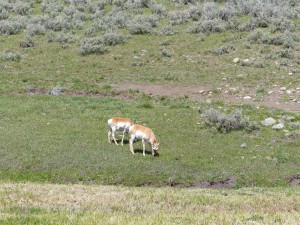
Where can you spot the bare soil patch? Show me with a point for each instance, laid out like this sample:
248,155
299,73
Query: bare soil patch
203,93
294,180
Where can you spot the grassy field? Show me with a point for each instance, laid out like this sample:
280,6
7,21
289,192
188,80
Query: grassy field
66,67
64,139
81,204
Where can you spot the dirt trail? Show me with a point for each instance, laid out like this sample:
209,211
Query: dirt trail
203,93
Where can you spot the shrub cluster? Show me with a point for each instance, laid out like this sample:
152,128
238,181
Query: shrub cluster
10,56
97,45
142,24
225,123
223,50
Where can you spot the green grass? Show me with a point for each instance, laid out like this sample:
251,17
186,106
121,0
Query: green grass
64,140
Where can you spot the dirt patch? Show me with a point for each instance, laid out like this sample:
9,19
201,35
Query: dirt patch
227,183
294,180
195,92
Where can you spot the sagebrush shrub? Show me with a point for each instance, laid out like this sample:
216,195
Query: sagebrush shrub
142,24
3,14
195,12
223,50
225,123
35,29
59,23
22,8
178,18
159,10
207,27
167,30
12,26
256,37
112,38
51,7
282,24
10,56
89,48
28,42
51,37
66,38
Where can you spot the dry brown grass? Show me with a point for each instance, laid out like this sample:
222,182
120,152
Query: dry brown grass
123,205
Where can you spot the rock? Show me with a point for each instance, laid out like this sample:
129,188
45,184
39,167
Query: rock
278,126
202,92
283,89
247,97
270,92
268,122
236,60
287,117
56,91
244,145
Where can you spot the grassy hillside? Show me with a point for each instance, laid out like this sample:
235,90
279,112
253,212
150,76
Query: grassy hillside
65,67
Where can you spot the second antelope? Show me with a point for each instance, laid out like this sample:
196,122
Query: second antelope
139,132
118,124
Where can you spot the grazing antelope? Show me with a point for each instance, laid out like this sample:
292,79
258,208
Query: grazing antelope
118,124
143,133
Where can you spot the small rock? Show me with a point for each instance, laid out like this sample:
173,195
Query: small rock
56,91
278,126
270,92
201,91
283,89
247,97
287,117
268,122
236,60
244,145
289,92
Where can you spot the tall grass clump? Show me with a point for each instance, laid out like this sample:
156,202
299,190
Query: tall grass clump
224,123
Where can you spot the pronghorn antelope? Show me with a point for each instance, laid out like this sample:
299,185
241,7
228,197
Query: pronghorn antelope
118,124
143,133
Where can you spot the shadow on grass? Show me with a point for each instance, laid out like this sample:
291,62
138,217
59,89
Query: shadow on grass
147,152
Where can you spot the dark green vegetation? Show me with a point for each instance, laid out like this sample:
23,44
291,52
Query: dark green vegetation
82,51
